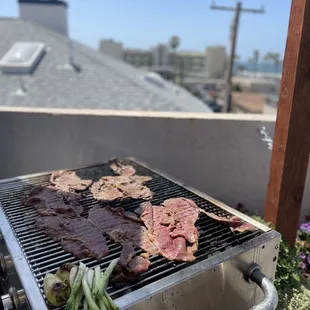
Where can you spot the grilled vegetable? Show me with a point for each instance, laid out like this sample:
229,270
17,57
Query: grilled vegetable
108,301
63,272
78,299
103,295
72,275
96,278
56,291
90,277
76,287
91,302
101,286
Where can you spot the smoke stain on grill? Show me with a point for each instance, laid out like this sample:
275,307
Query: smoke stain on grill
45,255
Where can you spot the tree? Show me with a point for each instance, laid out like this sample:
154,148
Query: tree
255,59
241,68
273,57
174,43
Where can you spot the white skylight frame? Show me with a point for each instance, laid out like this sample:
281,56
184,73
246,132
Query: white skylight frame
22,67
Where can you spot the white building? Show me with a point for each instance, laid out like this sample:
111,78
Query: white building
112,48
193,61
161,55
160,58
216,60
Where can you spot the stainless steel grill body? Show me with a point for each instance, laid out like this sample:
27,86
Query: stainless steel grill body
214,281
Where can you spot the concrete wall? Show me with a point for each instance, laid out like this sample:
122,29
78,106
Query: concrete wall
225,156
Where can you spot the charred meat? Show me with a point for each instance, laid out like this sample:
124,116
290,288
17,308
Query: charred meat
122,227
133,265
76,235
50,201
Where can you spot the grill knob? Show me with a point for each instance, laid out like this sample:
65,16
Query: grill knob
14,300
5,264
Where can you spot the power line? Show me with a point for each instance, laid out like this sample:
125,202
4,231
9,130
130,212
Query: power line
234,32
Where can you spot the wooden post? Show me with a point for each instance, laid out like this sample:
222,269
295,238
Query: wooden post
291,145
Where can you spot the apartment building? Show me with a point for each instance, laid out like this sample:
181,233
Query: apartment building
211,62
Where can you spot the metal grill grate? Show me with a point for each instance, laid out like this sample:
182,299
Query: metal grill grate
45,255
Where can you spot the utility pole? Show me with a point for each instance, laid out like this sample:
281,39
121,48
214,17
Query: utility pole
234,33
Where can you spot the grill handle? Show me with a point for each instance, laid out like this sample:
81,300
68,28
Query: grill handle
5,264
13,300
270,301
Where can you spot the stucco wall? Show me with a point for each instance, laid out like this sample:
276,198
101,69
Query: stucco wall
224,156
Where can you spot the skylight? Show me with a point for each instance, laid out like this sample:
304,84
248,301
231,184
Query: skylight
154,79
22,57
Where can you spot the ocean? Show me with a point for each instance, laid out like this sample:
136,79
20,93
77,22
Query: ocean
261,67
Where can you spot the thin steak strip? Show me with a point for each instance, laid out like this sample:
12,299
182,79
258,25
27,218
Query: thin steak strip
235,223
122,227
76,235
185,213
49,200
172,248
68,181
114,188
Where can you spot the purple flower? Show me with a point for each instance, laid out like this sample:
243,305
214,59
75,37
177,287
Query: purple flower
308,260
305,227
302,255
303,266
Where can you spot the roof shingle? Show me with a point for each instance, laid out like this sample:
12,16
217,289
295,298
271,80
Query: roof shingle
102,83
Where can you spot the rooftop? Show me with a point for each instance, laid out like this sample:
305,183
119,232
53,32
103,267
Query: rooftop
96,81
249,102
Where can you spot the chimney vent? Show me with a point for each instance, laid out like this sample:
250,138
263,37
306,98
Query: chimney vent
52,14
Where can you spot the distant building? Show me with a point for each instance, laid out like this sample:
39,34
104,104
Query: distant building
138,58
111,48
161,55
193,61
161,59
216,60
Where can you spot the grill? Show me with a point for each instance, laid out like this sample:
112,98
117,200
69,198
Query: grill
40,254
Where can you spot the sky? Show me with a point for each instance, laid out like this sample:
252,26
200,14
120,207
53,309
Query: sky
144,23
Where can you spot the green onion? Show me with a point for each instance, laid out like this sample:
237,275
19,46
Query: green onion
111,303
91,303
71,303
90,277
105,278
